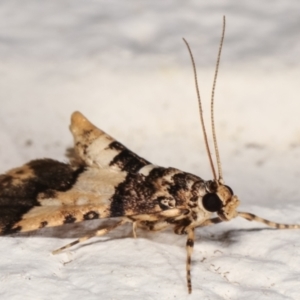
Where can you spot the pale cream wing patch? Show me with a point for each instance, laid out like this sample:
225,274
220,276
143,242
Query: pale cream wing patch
93,187
90,142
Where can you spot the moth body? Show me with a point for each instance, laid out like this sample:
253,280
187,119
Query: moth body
107,181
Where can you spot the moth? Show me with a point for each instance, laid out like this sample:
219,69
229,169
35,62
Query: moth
104,179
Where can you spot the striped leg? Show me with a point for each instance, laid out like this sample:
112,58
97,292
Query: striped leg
99,232
189,250
211,221
190,247
252,217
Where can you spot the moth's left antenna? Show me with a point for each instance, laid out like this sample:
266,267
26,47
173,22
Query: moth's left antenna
201,112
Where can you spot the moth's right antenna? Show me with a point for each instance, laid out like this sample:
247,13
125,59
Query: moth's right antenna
220,179
201,112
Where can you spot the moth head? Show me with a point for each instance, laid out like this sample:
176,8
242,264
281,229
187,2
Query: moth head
220,199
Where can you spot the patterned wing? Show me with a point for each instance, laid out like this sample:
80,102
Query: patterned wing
111,182
98,149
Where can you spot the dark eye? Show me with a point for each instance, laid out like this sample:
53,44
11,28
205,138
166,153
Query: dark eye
212,202
230,189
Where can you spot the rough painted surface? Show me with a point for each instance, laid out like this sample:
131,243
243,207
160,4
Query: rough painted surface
128,69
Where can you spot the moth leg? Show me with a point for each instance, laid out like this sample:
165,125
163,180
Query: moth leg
99,232
189,250
252,217
211,221
134,226
182,228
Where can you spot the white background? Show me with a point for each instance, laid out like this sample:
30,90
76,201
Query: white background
124,65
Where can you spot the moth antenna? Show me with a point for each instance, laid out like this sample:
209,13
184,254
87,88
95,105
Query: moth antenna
220,173
252,217
201,111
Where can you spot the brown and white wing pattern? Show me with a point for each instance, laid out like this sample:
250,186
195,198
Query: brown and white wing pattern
22,189
98,149
112,181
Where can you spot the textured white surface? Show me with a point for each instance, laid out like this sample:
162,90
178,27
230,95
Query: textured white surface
123,64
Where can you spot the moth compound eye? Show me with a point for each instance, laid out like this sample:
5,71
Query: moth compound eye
212,202
230,189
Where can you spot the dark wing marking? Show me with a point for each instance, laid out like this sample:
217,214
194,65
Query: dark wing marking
20,188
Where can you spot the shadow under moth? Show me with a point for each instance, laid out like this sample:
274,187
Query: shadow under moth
106,180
